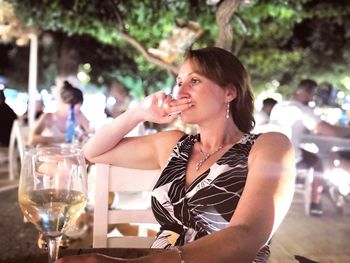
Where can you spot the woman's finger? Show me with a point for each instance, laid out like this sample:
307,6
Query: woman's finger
181,101
178,106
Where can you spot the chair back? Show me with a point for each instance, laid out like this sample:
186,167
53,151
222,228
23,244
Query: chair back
122,181
18,141
306,176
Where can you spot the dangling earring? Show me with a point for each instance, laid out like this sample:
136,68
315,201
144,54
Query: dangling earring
228,111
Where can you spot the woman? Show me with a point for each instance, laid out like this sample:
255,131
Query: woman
50,127
223,191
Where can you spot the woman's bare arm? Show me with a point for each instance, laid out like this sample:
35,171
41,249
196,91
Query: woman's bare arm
83,122
108,145
35,137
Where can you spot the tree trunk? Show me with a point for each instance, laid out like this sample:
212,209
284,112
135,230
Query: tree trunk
224,13
67,61
68,57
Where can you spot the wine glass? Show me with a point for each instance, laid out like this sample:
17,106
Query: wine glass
52,191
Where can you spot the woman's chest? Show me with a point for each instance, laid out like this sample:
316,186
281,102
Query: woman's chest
55,126
220,180
212,195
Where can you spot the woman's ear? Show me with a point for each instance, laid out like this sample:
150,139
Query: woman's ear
231,93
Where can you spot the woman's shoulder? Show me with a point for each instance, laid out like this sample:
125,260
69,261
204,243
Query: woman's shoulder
167,139
83,121
45,120
80,114
165,142
272,147
171,135
274,140
46,117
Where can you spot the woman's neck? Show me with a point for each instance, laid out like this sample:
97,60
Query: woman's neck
213,137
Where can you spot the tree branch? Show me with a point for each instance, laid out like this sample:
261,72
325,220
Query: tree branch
149,57
224,13
245,34
173,69
118,16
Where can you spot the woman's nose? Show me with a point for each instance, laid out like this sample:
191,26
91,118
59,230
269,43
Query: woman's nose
180,93
182,90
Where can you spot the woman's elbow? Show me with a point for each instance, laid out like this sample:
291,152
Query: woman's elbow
88,154
32,141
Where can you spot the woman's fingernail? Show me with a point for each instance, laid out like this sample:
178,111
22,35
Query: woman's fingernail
175,113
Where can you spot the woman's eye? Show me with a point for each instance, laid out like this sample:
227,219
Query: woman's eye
179,84
194,82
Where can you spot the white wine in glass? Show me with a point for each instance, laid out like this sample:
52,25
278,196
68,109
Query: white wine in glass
53,191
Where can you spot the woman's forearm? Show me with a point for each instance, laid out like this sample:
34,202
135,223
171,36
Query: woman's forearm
44,140
109,136
233,244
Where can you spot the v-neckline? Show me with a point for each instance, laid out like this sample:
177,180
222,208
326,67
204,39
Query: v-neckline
206,172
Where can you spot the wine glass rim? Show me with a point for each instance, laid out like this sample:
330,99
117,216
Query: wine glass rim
55,149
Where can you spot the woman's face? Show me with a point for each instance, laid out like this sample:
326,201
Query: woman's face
208,99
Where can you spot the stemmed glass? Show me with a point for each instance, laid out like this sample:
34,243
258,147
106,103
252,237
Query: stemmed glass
53,191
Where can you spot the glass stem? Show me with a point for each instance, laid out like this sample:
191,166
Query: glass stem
53,245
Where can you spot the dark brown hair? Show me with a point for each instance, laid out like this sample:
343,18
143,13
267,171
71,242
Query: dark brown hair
2,96
269,102
71,95
222,67
308,85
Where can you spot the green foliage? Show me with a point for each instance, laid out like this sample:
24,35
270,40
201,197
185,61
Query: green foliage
286,40
270,21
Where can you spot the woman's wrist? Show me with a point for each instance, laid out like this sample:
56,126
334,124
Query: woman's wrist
166,255
173,255
135,114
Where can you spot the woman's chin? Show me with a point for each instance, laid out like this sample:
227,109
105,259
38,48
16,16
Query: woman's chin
186,119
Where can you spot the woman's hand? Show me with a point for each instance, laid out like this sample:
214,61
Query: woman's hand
162,108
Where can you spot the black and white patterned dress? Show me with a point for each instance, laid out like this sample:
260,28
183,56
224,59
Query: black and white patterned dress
207,205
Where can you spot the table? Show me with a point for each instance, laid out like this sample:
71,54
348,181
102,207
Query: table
326,146
115,252
325,143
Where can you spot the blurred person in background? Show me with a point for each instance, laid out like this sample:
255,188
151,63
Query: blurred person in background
122,100
51,127
263,116
295,117
39,110
7,117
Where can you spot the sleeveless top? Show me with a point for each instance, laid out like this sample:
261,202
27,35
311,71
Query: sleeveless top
207,205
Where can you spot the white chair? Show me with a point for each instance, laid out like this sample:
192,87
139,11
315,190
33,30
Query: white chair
306,176
18,140
121,180
4,158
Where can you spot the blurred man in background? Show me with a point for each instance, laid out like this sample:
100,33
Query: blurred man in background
295,117
263,116
7,117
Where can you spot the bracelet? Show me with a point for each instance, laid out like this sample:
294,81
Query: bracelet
179,252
